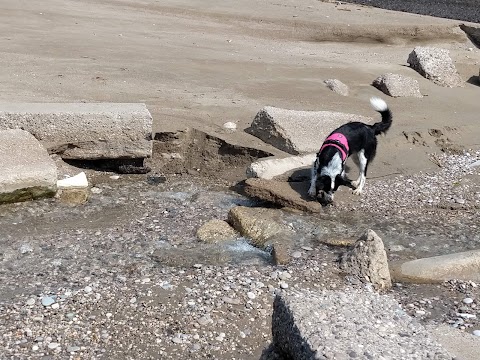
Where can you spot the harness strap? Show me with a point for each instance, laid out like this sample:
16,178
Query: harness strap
338,141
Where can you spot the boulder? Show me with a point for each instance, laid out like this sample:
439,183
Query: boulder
396,85
436,65
298,132
28,172
348,324
367,260
270,168
287,194
83,130
215,231
461,266
337,86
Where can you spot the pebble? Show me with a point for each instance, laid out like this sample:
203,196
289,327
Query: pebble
467,300
476,332
53,345
284,276
284,285
251,295
467,316
297,254
196,347
203,321
88,289
25,248
220,337
47,300
72,349
420,312
230,126
177,340
115,177
232,301
96,190
55,306
307,248
30,302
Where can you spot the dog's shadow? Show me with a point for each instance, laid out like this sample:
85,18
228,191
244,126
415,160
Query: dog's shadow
299,181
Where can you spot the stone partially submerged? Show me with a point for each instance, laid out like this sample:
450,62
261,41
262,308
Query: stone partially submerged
396,85
84,131
436,65
28,172
271,167
344,325
298,132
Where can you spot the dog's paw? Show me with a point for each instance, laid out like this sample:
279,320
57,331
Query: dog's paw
357,191
312,193
355,183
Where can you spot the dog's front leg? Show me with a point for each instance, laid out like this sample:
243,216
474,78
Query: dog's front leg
312,191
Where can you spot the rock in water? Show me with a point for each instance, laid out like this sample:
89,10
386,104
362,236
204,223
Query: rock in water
368,261
215,231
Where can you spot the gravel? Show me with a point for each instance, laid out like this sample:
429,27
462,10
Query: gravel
111,299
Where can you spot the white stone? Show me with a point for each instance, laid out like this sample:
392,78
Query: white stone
268,168
467,300
251,295
78,181
231,126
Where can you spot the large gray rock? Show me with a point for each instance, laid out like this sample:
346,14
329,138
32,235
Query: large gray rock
310,325
396,85
298,132
84,131
337,86
460,266
367,260
436,65
271,167
292,195
28,172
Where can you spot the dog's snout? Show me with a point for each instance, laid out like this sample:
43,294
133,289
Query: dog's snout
325,198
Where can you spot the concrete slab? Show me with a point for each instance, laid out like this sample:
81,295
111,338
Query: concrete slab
461,266
84,130
272,167
350,324
298,132
28,172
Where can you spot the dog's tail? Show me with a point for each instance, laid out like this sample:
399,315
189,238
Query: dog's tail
382,107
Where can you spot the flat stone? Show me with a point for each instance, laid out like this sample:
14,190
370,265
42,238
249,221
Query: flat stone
48,300
435,64
84,130
28,172
367,260
460,266
396,85
288,194
215,231
271,167
308,324
298,132
459,343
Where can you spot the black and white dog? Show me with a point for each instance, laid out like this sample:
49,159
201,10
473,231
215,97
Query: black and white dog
356,139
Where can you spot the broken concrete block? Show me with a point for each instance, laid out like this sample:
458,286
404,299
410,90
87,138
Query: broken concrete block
436,65
348,324
396,85
337,86
298,132
28,172
270,167
83,130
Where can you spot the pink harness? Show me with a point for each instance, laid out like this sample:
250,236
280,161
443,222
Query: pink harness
339,141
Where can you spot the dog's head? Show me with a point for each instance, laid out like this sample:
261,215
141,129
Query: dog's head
329,180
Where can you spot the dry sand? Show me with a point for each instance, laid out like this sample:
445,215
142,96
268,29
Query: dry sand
201,64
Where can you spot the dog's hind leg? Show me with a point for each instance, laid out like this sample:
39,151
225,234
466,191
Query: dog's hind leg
362,166
312,191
